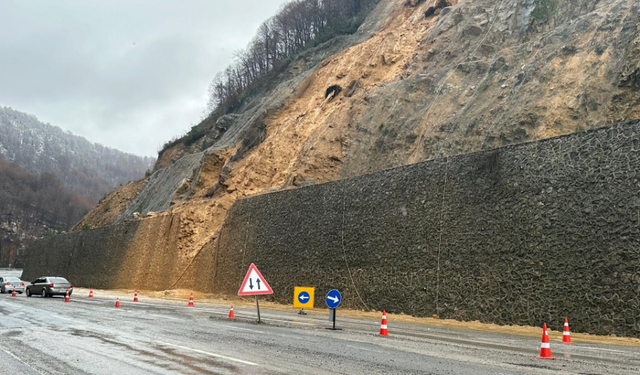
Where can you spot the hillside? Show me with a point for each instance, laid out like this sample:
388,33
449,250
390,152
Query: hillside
417,81
50,179
87,169
32,206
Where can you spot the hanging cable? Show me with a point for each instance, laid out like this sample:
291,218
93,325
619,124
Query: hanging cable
344,250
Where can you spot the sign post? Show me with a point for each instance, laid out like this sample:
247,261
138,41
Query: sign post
333,300
255,284
258,308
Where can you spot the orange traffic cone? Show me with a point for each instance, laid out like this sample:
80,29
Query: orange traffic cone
566,334
191,300
231,314
383,325
135,296
66,296
117,302
91,293
545,348
13,294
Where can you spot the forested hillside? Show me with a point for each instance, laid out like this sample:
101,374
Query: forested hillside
49,179
297,28
33,205
299,25
87,169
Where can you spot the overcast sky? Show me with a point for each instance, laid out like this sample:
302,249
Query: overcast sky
129,74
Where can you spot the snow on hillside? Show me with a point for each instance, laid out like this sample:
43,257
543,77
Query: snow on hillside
88,169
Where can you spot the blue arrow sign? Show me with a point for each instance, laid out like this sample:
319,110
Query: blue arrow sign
333,299
304,297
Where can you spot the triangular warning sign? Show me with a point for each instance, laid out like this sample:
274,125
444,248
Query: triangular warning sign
254,283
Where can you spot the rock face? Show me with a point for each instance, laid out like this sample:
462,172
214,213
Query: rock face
479,75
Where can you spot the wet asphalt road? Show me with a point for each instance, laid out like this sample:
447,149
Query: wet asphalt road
49,336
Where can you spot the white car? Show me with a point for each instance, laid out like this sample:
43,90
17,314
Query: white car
8,283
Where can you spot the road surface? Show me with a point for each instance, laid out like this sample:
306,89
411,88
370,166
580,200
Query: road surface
156,336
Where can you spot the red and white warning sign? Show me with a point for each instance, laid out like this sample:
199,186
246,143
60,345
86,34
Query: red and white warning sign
254,283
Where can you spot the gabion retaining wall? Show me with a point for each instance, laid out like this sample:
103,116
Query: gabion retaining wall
524,234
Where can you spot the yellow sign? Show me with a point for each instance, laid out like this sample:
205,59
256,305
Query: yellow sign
303,297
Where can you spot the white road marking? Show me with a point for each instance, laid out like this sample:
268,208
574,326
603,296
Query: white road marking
238,328
63,318
365,349
603,349
164,317
87,301
209,354
23,362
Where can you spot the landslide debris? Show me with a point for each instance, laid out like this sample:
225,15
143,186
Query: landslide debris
110,207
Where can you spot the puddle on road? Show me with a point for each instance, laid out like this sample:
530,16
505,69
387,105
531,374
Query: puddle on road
188,360
11,334
171,360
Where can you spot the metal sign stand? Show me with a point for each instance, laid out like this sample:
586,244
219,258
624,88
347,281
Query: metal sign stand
333,300
333,314
258,307
261,286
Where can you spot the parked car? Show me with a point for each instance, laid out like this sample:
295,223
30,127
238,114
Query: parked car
49,286
8,283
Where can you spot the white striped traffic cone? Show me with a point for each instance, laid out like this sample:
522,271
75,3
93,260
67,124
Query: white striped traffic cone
383,325
545,348
566,334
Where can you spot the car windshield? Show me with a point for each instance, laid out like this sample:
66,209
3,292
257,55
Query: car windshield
12,279
58,280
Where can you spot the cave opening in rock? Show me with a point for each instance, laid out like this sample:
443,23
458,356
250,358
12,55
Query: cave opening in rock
332,91
436,8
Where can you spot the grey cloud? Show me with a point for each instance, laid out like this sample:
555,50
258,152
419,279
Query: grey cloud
128,74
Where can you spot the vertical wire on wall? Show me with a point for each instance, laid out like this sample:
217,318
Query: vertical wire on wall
344,249
444,195
215,257
246,239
